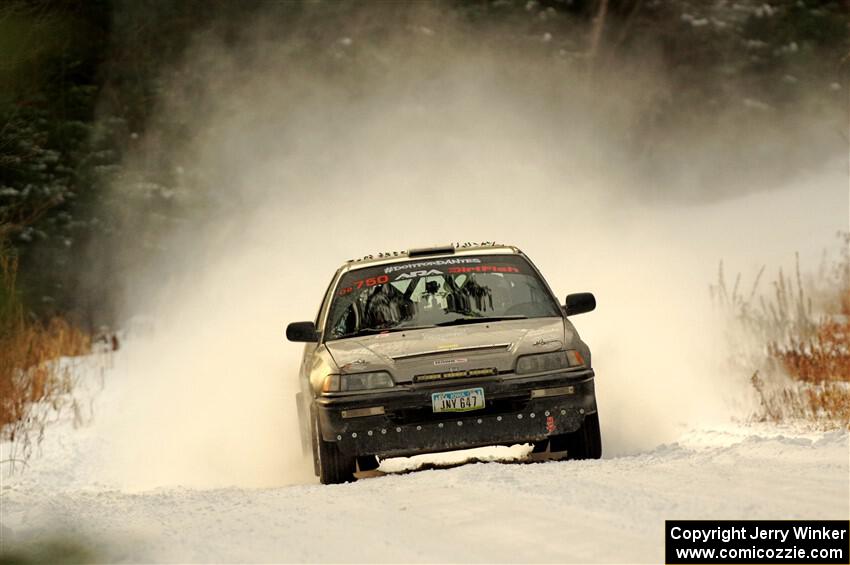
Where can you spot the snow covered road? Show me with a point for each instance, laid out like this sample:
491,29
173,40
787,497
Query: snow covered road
612,510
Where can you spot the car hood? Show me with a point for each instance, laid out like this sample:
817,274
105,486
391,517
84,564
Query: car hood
490,345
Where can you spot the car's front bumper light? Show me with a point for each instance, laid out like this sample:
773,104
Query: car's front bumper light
357,382
544,362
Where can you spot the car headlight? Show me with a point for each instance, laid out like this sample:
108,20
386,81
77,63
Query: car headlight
357,381
542,362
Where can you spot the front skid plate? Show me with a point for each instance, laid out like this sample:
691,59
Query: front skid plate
461,433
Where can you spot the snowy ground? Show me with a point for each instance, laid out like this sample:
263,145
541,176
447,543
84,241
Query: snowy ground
611,510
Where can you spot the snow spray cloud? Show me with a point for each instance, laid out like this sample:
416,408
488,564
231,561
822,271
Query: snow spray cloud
319,141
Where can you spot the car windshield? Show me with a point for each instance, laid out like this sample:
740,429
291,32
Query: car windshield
437,292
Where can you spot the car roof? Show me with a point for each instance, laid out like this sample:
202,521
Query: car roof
437,252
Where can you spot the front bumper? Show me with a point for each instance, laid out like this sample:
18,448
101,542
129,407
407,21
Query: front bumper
408,425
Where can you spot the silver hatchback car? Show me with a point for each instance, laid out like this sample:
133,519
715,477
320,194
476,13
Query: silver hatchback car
439,349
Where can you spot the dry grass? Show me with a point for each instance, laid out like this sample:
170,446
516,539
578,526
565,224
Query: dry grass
30,372
795,341
827,404
823,357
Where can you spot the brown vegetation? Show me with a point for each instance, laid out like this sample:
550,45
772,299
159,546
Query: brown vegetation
821,358
827,403
30,371
801,359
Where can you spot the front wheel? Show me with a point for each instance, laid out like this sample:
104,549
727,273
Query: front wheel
334,466
584,443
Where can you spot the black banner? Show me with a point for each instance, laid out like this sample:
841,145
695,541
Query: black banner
757,541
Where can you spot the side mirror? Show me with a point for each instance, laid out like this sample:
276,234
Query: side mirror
302,331
579,303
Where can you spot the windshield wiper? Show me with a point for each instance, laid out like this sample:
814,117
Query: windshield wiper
373,331
482,319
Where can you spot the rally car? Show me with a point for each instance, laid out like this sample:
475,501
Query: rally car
439,349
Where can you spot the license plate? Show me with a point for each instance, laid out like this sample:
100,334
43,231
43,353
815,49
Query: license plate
458,400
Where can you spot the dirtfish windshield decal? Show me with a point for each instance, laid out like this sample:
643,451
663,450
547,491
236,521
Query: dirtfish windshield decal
483,269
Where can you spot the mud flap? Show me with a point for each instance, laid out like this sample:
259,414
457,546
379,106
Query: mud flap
303,430
314,441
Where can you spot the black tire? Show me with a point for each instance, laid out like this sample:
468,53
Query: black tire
584,443
367,463
540,446
334,466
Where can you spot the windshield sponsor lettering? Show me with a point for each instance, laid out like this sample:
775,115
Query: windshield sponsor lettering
434,263
381,279
417,274
483,269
